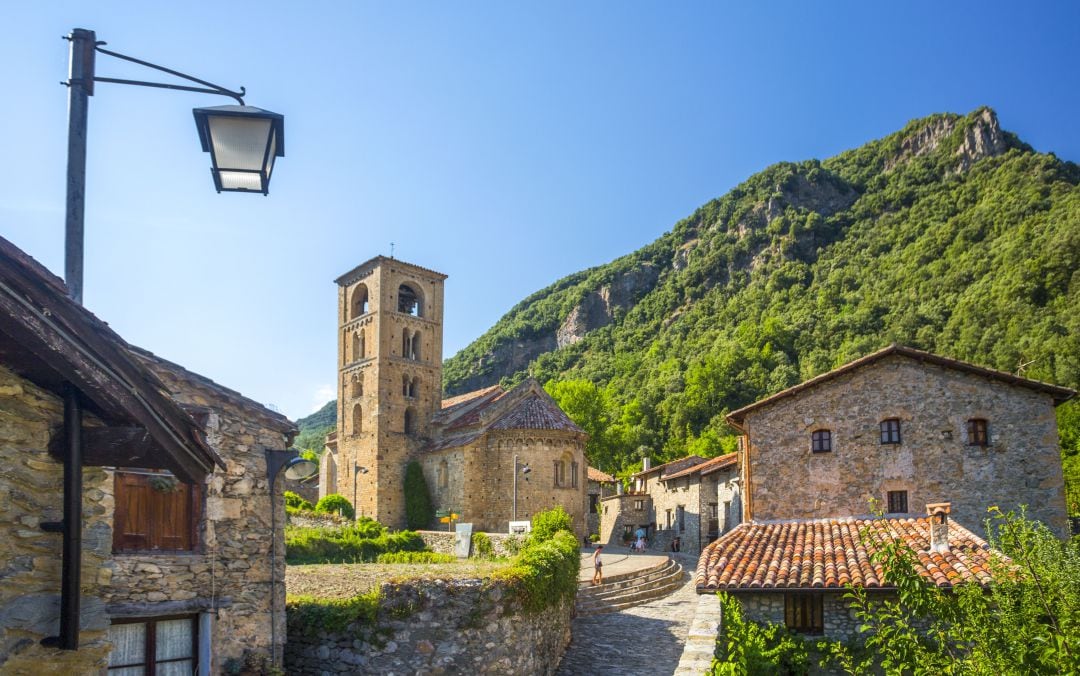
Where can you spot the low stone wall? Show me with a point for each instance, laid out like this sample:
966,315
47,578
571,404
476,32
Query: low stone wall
306,519
442,542
436,627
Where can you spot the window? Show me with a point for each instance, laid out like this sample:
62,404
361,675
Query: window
594,503
639,505
821,441
680,517
157,646
627,531
977,432
804,612
409,301
357,387
410,421
669,520
573,475
897,502
890,431
155,512
359,301
713,509
357,419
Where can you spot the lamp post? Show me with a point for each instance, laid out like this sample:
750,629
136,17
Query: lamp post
234,147
357,471
294,467
525,469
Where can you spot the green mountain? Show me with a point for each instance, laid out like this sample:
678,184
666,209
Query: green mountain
315,427
950,235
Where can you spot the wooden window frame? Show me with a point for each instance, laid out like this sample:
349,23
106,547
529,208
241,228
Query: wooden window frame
150,649
896,499
155,534
978,432
804,612
890,431
821,441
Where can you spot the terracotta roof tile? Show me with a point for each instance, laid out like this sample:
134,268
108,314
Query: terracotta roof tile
829,553
468,396
711,465
671,467
602,477
536,413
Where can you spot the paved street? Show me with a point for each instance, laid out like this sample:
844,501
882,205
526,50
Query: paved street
645,640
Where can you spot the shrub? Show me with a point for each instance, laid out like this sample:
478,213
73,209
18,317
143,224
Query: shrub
362,542
595,537
415,557
295,501
418,510
482,547
546,524
335,503
307,615
745,647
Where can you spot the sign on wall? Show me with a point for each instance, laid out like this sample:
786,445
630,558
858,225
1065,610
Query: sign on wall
520,527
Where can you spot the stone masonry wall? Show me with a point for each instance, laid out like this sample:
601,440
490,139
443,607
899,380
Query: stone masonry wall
840,621
31,491
933,462
619,511
442,542
683,492
439,627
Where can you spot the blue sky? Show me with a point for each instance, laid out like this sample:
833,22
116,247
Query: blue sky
505,144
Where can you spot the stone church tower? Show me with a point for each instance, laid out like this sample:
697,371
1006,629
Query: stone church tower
390,332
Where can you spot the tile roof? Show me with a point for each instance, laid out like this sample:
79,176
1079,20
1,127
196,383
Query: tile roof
709,466
829,553
468,396
1060,394
602,477
673,466
536,413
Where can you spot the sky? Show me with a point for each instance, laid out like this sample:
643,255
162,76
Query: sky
504,144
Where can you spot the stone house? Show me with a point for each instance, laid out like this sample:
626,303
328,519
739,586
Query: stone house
170,566
599,485
695,499
795,572
478,450
902,428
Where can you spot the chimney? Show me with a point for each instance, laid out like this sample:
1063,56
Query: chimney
939,526
646,464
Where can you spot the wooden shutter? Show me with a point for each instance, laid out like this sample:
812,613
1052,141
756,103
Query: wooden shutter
131,527
152,520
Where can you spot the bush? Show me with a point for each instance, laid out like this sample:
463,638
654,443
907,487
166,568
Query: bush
335,503
415,557
546,524
482,547
359,543
745,647
307,615
294,501
595,537
418,510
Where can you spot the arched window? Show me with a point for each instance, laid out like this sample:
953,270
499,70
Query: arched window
410,421
410,301
357,387
405,385
444,474
414,346
355,346
357,419
414,387
359,304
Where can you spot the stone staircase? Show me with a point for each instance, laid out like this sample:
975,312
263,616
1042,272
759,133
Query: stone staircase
630,589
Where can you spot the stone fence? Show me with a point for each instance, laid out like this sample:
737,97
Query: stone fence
442,542
435,627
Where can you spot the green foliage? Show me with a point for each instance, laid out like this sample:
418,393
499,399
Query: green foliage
806,266
418,510
1026,622
744,648
362,542
415,557
294,501
546,524
482,547
335,503
307,615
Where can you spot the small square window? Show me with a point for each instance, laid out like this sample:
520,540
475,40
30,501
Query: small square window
804,612
977,432
821,441
890,431
897,502
639,505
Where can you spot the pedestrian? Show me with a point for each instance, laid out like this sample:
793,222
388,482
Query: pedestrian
598,573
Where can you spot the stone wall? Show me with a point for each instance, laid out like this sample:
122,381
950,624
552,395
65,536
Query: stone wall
31,491
668,496
839,620
933,463
442,542
437,627
619,511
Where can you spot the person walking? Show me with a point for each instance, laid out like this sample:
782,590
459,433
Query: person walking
598,573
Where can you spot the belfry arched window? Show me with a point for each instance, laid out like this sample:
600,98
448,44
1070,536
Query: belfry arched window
357,419
410,421
410,301
359,302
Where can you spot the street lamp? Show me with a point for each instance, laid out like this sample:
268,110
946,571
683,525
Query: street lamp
525,469
243,142
357,471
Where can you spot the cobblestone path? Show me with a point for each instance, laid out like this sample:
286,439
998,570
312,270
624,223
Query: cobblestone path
645,640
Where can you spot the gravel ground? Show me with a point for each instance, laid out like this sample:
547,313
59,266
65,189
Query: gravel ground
345,580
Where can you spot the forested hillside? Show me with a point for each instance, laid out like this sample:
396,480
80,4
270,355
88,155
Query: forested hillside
951,236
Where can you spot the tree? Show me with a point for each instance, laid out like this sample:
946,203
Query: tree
418,510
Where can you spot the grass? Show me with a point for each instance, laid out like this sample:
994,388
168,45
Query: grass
347,580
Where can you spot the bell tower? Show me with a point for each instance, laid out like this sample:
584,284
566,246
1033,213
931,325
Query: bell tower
390,323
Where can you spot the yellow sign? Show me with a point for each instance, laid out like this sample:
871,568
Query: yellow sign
448,519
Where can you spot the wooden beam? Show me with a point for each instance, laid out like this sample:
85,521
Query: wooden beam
117,447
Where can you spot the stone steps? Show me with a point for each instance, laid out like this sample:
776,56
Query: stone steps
621,577
647,585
